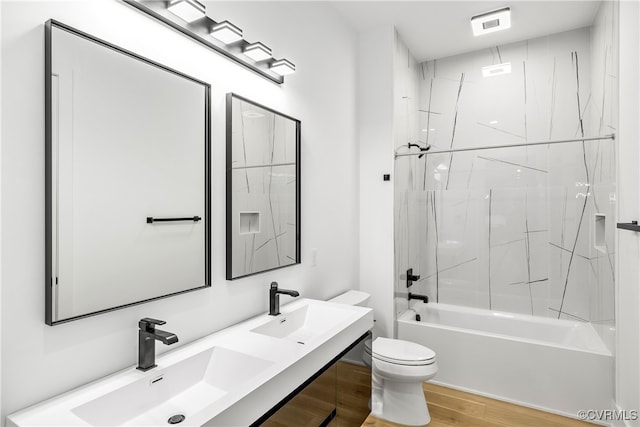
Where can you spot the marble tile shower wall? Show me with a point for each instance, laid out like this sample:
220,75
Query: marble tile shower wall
528,229
405,109
604,90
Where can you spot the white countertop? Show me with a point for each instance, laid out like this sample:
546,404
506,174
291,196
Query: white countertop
201,405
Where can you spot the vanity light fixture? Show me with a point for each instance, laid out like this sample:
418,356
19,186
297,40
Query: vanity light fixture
188,17
257,51
226,32
496,70
283,67
490,22
188,10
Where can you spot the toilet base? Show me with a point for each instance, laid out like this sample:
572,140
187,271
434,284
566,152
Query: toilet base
399,402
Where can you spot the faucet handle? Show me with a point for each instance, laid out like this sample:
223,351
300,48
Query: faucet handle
274,285
149,323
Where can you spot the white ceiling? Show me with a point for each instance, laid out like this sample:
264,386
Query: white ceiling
436,29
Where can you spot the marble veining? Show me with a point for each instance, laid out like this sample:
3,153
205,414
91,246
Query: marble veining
513,229
263,168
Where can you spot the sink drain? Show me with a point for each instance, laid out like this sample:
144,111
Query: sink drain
176,419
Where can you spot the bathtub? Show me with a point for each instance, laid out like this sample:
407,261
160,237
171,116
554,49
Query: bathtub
559,366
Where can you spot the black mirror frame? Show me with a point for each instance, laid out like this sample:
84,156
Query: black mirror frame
229,187
49,279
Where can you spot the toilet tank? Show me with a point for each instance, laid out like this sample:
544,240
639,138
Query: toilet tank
352,297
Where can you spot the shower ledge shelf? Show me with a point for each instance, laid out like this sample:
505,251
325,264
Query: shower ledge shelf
233,376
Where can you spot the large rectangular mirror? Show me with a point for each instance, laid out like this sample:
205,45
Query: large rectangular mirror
263,188
127,169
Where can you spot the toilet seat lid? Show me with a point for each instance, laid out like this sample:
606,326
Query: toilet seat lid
402,352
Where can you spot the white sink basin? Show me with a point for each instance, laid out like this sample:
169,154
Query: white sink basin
305,323
183,388
231,377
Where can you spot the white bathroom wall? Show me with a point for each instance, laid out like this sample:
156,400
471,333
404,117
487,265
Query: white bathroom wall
388,120
40,361
376,133
628,243
1,234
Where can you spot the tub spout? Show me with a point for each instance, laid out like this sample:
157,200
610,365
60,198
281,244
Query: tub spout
423,298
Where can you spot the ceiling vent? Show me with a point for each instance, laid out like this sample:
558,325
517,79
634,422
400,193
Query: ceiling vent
490,22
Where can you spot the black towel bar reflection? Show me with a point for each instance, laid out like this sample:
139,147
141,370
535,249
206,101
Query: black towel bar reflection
151,220
633,226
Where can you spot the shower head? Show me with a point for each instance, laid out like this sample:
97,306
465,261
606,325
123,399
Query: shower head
423,150
419,147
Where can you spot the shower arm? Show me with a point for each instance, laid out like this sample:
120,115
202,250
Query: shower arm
611,137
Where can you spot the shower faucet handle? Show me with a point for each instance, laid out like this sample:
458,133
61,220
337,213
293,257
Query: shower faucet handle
411,277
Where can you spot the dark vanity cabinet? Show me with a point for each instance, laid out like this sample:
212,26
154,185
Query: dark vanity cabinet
337,395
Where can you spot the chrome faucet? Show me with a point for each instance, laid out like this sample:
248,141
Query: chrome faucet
147,336
274,298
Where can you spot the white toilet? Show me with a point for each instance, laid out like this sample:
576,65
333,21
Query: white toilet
398,370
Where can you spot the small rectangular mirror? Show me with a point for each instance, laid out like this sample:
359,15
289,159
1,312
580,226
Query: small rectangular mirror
263,188
127,169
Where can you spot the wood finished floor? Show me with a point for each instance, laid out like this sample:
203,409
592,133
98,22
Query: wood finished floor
347,387
448,407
